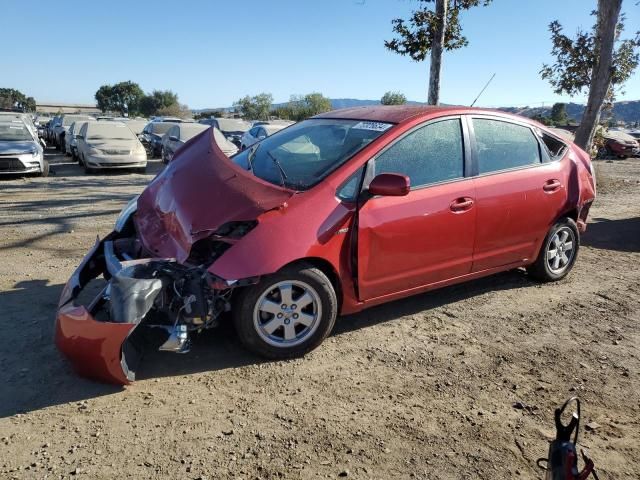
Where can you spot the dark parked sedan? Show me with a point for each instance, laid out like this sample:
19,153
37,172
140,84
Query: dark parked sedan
346,210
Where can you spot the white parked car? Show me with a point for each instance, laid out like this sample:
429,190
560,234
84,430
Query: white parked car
110,145
259,132
181,133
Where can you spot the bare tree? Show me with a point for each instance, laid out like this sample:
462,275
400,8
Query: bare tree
608,14
436,52
432,31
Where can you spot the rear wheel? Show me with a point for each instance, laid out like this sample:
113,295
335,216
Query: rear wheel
558,253
287,314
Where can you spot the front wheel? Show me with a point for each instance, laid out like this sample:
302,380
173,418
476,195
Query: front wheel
287,314
45,168
558,253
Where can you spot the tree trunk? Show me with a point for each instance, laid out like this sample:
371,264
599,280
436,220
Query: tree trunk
436,52
608,13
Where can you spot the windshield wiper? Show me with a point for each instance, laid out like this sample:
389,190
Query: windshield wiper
252,154
283,176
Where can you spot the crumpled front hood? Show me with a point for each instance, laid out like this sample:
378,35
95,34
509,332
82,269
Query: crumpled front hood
16,148
199,191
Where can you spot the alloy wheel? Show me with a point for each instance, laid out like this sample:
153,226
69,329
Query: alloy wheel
560,250
287,313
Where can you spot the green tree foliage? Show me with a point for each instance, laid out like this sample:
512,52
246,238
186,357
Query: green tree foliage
559,114
303,106
123,97
158,99
597,60
542,119
11,98
175,110
254,108
572,71
428,31
208,114
393,98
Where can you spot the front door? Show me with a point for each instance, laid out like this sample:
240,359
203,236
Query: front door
427,236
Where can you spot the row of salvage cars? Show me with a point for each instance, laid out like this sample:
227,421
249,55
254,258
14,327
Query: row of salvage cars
334,214
126,143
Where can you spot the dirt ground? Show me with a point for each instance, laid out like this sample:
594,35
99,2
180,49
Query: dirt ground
457,383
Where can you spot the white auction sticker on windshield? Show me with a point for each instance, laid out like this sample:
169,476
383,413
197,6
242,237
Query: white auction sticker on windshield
375,126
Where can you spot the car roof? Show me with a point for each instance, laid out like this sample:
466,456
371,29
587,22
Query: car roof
404,113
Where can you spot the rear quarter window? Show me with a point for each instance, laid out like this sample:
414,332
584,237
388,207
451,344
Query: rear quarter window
555,147
503,145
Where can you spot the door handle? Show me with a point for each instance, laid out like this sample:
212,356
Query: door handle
460,205
552,185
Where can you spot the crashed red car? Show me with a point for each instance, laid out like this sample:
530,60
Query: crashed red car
332,215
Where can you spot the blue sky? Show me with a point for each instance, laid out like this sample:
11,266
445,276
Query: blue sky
211,52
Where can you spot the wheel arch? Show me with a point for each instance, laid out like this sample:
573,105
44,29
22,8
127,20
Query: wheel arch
325,267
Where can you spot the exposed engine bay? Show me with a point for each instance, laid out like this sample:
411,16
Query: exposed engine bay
163,301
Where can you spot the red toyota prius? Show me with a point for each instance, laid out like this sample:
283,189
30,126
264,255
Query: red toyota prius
346,210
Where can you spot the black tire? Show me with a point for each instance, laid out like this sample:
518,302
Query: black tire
541,269
45,168
245,303
88,170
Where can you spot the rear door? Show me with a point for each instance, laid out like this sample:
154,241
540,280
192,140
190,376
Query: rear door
520,192
426,236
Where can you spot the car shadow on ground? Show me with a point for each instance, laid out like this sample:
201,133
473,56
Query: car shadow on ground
35,375
622,235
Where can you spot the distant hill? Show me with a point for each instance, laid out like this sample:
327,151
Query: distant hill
628,111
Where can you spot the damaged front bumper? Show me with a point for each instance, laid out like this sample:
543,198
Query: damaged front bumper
95,348
146,303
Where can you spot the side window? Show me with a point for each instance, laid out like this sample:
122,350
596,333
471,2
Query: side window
430,154
254,132
262,133
349,190
555,147
504,145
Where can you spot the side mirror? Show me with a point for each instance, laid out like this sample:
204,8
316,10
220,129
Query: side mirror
261,137
390,185
79,137
173,138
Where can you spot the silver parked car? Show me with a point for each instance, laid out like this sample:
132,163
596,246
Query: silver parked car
110,145
260,132
231,128
179,134
71,139
20,150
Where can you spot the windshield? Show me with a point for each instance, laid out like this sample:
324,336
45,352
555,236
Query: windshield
233,125
109,131
187,132
302,155
69,119
14,132
160,128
